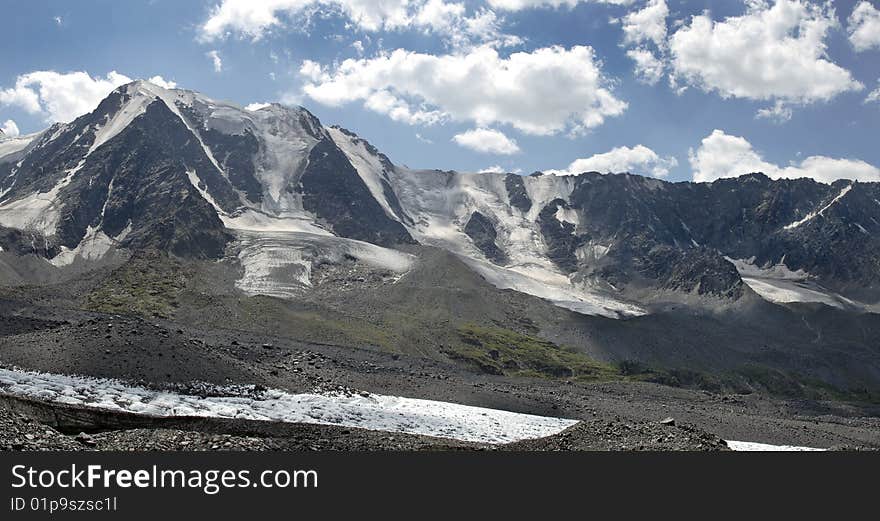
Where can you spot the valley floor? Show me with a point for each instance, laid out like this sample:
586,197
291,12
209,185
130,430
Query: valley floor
619,415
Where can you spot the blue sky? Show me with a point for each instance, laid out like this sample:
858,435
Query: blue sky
697,118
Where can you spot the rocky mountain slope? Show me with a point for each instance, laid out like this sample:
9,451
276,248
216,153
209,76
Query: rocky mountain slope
164,202
177,171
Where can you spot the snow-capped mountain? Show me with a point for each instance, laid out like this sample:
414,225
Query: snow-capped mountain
279,193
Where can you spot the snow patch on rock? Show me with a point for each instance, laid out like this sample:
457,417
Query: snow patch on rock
280,264
778,283
751,446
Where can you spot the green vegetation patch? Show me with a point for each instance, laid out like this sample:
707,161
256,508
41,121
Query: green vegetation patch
502,351
299,321
149,284
748,379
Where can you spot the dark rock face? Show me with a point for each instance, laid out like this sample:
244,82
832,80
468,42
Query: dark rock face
136,188
677,234
23,242
829,231
560,237
234,152
332,190
692,270
481,230
516,192
139,179
142,175
387,167
236,157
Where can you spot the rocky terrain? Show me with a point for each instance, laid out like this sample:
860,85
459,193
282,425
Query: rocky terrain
617,412
170,241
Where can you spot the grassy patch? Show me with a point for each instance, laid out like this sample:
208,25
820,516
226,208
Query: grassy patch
792,385
312,325
748,379
149,284
501,351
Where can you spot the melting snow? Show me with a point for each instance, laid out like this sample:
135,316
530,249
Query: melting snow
441,203
15,144
779,284
121,119
280,264
368,166
812,215
556,288
38,211
567,215
374,411
93,247
202,188
751,446
258,221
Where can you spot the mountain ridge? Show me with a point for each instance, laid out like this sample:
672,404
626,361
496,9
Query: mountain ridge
174,170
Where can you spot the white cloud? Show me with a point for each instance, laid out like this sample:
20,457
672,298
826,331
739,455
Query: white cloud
477,86
10,129
162,82
423,139
644,31
722,155
256,106
770,52
636,160
494,169
647,24
487,141
254,19
60,96
778,113
874,95
519,5
215,60
649,67
864,26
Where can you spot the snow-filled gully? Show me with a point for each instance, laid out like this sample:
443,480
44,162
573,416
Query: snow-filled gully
368,411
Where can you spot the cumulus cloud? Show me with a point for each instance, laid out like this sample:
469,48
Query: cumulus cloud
778,113
644,31
494,169
162,82
769,53
253,20
256,106
215,60
647,24
649,67
722,155
874,95
519,5
864,26
65,96
60,96
9,128
477,86
487,141
636,160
